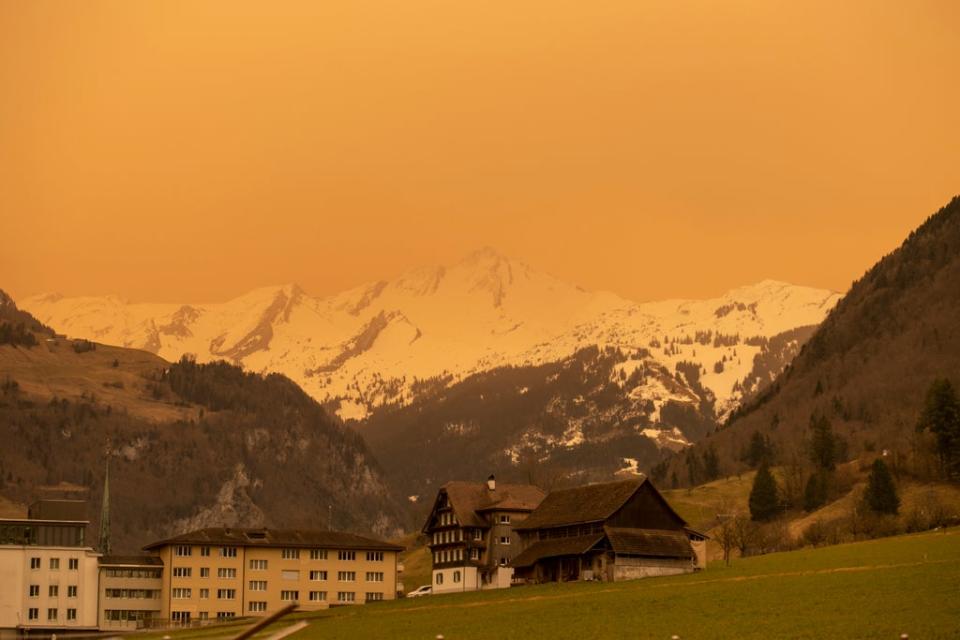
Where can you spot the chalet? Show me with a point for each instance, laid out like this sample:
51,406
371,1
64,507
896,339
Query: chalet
471,535
611,531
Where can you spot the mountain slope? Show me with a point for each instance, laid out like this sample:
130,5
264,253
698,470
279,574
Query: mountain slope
383,343
189,445
868,366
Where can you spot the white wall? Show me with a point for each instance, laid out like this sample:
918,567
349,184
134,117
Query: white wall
15,599
469,580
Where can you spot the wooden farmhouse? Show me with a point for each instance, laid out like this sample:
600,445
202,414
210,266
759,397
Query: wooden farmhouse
610,531
470,532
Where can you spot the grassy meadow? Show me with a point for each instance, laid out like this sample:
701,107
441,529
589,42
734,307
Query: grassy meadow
874,589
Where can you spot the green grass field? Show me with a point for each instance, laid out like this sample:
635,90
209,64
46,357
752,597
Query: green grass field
875,589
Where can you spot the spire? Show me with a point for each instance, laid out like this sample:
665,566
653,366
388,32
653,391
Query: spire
105,513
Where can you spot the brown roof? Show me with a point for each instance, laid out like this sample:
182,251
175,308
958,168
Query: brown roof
589,503
276,538
554,547
470,498
131,561
650,542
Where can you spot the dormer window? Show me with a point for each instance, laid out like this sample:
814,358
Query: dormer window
504,518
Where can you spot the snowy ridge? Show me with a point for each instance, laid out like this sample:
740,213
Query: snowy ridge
381,342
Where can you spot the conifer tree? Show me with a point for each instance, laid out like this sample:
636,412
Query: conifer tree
815,493
941,416
823,444
764,496
881,495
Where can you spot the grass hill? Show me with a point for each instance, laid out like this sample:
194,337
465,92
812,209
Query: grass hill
189,445
875,589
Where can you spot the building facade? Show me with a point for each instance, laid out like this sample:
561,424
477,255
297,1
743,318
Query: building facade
222,573
611,531
471,536
130,592
49,575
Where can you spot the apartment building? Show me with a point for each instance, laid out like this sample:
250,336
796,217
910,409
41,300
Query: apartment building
49,572
222,573
130,592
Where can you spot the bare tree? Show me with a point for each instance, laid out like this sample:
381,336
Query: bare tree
726,537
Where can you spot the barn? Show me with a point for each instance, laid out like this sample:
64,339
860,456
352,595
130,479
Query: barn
608,531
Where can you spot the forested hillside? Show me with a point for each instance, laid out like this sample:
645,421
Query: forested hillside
189,445
861,382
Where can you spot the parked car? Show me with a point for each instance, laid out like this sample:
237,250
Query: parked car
425,590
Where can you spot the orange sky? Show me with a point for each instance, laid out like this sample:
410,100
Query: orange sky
190,151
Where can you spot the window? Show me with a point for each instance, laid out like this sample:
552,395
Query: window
228,552
474,554
503,562
205,551
318,575
73,564
226,594
183,551
373,597
204,593
504,539
346,596
477,534
346,555
456,576
182,572
71,614
504,519
374,576
54,564
204,572
258,565
225,615
346,576
181,593
439,578
290,575
53,591
33,613
290,596
318,596
318,554
51,614
180,616
258,585
290,554
374,556
257,606
224,572
72,591
34,591
34,563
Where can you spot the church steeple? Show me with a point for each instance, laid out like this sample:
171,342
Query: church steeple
105,513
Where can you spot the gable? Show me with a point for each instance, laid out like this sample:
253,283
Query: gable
646,509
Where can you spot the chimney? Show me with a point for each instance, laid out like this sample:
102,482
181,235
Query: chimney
491,483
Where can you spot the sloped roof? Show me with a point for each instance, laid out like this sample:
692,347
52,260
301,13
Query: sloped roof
555,547
658,543
276,538
589,503
470,498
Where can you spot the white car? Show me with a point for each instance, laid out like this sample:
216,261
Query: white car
425,590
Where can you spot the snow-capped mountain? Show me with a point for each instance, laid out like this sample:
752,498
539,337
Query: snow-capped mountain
385,342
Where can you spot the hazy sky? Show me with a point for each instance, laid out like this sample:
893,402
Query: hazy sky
190,151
